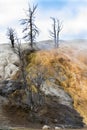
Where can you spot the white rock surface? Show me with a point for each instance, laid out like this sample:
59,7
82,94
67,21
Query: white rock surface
10,70
45,127
55,90
7,62
57,128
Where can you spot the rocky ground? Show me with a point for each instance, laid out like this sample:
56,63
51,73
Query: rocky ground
64,85
52,112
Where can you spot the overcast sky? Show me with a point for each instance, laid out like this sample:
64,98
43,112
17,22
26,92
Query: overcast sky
72,13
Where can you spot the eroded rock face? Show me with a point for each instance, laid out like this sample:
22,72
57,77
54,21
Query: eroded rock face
67,73
55,110
67,66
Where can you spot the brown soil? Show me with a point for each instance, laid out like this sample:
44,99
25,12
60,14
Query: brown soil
52,113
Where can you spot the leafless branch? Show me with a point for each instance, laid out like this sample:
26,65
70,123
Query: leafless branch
30,27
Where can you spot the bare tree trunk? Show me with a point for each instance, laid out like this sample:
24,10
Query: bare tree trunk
57,39
57,27
31,30
11,35
12,42
54,32
31,37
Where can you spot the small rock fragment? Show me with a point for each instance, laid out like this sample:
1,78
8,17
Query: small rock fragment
46,127
57,128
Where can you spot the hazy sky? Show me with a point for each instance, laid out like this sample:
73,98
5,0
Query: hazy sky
72,13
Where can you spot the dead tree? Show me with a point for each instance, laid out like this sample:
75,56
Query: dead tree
11,34
36,78
30,29
29,79
18,50
56,29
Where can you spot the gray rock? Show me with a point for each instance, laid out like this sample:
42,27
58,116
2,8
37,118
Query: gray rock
55,90
8,87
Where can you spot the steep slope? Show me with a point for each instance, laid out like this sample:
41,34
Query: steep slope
62,75
65,67
78,55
